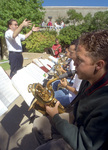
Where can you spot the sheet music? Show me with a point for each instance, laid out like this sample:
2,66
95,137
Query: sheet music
55,60
3,108
27,75
7,92
37,62
50,63
36,72
44,63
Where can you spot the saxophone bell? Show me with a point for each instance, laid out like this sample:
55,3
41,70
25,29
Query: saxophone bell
44,95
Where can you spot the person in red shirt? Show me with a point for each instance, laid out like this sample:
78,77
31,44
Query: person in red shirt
50,23
56,48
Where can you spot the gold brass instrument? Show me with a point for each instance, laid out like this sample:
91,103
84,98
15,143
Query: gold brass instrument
61,62
56,70
43,96
61,87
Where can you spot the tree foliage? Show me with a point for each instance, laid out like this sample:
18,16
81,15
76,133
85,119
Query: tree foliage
85,24
68,34
74,17
33,10
100,20
38,41
19,10
65,20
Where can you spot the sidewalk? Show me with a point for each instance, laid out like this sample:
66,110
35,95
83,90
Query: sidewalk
15,127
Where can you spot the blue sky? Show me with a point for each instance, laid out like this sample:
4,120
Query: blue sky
75,3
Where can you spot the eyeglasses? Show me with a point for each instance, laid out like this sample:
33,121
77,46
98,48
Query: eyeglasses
15,24
71,52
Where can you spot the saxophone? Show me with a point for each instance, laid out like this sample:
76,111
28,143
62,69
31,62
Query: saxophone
43,96
56,69
61,62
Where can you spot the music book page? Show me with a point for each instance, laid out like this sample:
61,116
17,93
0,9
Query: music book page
49,63
55,60
7,92
3,108
43,61
37,62
27,75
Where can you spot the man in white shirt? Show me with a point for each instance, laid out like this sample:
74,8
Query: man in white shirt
13,41
56,26
62,24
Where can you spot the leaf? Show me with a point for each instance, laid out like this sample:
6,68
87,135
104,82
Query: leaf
19,10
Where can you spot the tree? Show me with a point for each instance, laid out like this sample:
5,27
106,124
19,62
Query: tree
74,17
19,10
70,33
100,20
88,22
59,19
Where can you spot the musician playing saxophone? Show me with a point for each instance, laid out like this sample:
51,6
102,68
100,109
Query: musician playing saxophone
69,92
66,66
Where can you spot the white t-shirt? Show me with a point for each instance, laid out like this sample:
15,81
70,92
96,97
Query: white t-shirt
14,44
76,85
76,82
62,24
55,24
71,65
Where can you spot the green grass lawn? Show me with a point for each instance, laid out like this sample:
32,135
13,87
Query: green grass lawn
5,66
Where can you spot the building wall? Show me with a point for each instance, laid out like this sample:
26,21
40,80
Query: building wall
61,11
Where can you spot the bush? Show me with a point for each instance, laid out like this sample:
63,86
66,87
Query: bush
38,41
65,20
70,33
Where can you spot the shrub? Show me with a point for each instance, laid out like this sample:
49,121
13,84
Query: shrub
68,34
38,41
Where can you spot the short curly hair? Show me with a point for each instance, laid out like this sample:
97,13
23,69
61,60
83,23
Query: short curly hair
96,44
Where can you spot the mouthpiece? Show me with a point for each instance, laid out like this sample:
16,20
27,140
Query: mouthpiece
67,74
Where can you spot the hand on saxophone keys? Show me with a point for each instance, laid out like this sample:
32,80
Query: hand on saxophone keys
63,82
53,110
